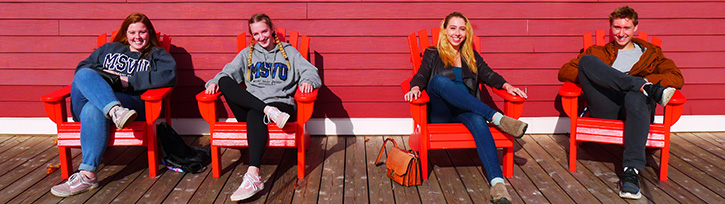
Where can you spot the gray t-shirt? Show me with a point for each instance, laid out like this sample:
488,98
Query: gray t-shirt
627,58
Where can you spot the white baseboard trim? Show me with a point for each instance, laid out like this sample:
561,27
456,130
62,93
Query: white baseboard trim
363,126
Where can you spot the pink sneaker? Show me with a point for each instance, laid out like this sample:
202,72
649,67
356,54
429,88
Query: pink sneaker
77,183
278,117
122,117
250,186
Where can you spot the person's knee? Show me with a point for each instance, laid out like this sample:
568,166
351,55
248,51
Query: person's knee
83,73
587,61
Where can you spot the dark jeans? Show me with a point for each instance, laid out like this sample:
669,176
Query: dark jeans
611,94
248,108
450,104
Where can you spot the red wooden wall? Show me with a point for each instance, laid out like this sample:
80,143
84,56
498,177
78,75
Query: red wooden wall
360,46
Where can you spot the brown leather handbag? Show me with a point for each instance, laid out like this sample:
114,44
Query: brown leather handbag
403,166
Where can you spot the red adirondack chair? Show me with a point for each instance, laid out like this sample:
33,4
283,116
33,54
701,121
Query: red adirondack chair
586,129
234,134
427,136
138,133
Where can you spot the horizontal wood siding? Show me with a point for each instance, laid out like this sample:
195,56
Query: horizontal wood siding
359,46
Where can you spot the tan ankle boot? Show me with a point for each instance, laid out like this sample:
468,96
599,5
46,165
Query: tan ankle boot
513,127
499,194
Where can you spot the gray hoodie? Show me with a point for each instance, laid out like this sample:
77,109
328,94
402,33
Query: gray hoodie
271,79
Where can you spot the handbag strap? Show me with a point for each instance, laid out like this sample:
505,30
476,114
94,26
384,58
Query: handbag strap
377,161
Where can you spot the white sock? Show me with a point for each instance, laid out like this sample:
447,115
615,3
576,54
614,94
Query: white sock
496,120
496,180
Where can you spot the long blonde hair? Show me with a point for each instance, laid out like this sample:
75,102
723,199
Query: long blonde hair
448,56
257,18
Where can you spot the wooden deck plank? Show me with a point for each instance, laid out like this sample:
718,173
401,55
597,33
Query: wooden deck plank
269,163
123,175
545,184
115,159
17,153
604,190
211,187
142,183
539,159
380,186
473,154
285,178
448,178
18,185
356,181
41,191
332,181
401,193
307,190
24,160
650,185
235,162
475,182
558,172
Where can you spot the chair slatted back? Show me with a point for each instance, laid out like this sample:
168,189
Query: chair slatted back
299,42
418,44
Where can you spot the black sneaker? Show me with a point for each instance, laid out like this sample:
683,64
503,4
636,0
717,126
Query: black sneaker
660,94
629,184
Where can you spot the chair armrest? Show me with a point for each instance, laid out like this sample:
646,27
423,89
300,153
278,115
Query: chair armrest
306,97
513,105
305,105
570,93
54,103
207,106
156,94
422,100
57,95
674,108
570,89
154,102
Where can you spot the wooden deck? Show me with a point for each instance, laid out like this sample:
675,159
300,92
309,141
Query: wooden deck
342,170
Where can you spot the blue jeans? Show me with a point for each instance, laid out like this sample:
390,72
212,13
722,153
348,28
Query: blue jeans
449,104
91,100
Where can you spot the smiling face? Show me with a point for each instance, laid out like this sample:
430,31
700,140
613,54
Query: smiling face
262,33
456,32
622,31
137,36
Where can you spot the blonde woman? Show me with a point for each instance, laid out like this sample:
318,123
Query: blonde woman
450,73
272,71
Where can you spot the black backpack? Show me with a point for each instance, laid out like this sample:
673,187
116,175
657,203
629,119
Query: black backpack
177,154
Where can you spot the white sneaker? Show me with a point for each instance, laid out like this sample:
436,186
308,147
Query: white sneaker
250,186
278,117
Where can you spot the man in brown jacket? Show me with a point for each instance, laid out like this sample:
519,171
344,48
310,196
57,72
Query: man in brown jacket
624,80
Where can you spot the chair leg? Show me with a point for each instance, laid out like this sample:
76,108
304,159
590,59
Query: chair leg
424,162
300,162
66,164
216,165
152,146
572,152
508,162
664,163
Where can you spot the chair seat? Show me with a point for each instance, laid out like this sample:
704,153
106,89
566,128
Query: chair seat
457,136
234,134
69,135
612,132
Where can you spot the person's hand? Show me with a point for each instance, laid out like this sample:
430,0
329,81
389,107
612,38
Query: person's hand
513,90
211,89
124,79
413,94
306,87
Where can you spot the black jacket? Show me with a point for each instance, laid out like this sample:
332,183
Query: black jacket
433,65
